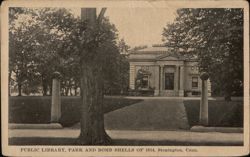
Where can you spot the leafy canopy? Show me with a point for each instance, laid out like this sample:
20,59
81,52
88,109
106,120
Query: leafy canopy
215,36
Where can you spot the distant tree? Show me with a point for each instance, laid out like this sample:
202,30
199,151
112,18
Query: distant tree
123,65
216,37
123,74
21,47
116,80
123,47
35,39
60,22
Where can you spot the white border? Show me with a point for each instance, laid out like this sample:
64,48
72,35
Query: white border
202,150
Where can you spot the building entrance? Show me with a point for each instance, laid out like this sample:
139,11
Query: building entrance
169,81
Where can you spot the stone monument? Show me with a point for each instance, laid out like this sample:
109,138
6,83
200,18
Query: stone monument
204,100
56,98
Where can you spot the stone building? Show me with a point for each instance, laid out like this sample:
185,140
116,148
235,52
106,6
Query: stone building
167,74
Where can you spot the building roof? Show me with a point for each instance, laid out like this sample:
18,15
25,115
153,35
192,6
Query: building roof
153,50
154,54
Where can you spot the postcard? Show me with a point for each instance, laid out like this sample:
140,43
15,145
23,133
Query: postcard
125,78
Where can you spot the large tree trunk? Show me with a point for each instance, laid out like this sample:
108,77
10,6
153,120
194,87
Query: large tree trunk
92,119
92,115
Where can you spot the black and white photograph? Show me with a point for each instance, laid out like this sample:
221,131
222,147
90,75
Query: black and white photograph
125,78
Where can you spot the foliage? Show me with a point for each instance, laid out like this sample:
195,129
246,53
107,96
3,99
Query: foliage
21,48
84,51
116,78
215,36
46,40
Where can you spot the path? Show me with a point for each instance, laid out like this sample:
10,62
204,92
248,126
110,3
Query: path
120,137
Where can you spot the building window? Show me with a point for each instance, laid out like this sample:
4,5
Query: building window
194,82
169,81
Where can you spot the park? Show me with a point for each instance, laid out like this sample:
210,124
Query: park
73,81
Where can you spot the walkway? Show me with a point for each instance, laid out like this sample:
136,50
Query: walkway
125,137
172,98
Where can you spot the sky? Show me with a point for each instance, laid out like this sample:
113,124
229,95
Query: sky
140,26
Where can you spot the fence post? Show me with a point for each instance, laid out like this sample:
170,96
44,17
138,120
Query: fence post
56,98
204,100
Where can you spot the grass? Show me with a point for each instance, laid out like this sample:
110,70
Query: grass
36,109
220,113
161,114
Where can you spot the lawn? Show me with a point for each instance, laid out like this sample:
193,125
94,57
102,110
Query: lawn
36,109
221,113
150,115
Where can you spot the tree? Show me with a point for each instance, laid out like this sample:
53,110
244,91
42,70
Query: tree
50,38
215,36
92,46
123,66
123,47
34,46
55,25
85,51
21,46
117,74
100,45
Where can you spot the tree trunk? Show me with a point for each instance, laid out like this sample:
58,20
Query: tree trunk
63,92
19,89
67,91
227,95
75,91
45,89
45,86
50,89
92,115
70,91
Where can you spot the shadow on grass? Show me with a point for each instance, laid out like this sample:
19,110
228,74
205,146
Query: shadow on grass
221,113
36,110
116,142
